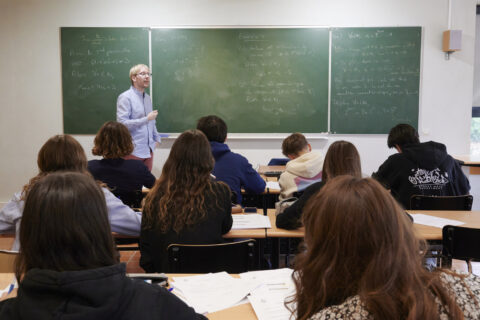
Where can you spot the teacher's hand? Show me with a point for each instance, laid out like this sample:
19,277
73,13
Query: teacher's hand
152,115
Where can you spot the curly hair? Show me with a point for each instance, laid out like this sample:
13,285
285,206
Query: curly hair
177,200
113,140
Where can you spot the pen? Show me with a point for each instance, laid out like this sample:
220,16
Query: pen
170,289
10,289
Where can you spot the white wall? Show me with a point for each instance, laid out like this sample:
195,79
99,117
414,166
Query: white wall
476,68
30,86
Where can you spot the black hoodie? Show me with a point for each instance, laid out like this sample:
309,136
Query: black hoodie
103,293
422,169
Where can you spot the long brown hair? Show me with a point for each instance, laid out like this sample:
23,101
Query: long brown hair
65,225
342,158
177,200
359,242
60,152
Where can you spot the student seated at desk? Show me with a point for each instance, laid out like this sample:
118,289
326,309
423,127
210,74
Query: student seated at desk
185,204
68,267
230,167
419,168
363,260
304,167
64,153
125,178
342,158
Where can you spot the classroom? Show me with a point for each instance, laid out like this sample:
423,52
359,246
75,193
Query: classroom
32,85
33,90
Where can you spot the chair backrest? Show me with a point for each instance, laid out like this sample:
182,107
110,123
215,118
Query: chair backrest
420,202
461,243
232,257
7,261
278,161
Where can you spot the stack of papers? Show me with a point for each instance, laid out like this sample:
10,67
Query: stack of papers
272,288
211,292
250,221
434,221
265,290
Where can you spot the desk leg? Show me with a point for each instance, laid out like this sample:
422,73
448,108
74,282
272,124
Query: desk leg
264,202
261,253
275,257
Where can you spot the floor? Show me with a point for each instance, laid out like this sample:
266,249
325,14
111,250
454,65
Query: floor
132,259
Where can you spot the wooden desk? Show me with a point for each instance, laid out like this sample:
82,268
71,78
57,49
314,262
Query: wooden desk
472,161
263,169
275,232
470,218
6,241
241,312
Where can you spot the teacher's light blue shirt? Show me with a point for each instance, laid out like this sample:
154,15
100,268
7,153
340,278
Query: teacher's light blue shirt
133,107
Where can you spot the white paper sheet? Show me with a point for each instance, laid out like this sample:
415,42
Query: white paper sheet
213,291
273,185
272,288
250,221
434,221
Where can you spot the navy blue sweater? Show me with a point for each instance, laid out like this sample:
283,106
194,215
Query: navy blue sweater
125,178
235,170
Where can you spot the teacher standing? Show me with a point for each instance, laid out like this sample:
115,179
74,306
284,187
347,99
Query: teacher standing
134,110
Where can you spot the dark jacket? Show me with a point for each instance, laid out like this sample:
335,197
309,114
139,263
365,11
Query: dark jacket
290,218
235,170
103,293
154,243
422,169
125,178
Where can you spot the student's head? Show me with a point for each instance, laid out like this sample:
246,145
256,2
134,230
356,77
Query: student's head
190,156
401,135
113,140
177,198
359,242
342,158
295,145
62,152
65,226
213,127
140,76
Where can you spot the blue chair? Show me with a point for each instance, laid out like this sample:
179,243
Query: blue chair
278,161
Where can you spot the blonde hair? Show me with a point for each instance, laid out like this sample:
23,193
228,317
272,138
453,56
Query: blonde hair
136,69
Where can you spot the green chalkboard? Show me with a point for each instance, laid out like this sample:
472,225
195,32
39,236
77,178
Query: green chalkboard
257,79
374,78
95,67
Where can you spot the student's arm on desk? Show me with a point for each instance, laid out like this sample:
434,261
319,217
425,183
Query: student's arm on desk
460,181
123,219
251,181
290,218
11,213
148,179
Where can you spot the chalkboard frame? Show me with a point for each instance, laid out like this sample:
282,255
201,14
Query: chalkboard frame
277,134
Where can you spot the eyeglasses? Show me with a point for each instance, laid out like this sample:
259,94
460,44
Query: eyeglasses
144,74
